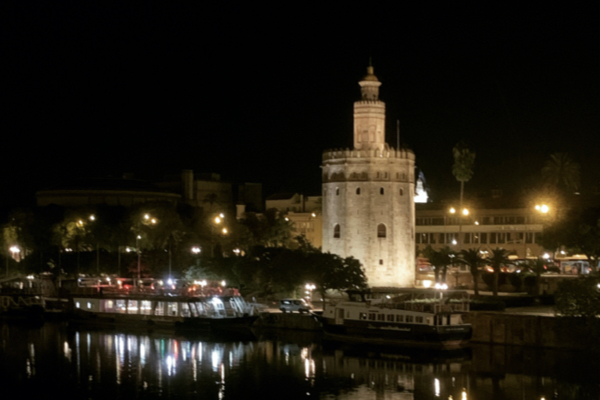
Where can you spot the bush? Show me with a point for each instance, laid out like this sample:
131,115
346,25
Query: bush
578,297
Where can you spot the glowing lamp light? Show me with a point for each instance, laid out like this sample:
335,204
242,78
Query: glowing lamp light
146,216
453,241
196,249
427,283
452,210
224,230
92,217
217,220
465,211
543,208
546,256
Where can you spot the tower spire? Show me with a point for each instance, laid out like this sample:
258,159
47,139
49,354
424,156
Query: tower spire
369,114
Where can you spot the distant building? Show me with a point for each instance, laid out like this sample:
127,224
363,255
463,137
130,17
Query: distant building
303,211
209,192
205,191
368,197
114,192
486,227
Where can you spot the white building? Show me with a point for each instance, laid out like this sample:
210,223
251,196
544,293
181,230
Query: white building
368,197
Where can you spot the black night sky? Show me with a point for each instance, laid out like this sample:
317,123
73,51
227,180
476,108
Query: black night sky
256,93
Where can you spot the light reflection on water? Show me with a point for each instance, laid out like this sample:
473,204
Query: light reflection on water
104,364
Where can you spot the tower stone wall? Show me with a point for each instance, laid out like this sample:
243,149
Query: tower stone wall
368,197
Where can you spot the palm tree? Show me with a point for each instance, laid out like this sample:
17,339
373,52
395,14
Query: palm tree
537,266
497,260
561,172
473,259
464,159
440,261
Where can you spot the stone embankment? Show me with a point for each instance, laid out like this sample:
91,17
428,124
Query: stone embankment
522,329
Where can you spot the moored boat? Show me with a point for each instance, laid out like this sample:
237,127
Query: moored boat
400,317
224,310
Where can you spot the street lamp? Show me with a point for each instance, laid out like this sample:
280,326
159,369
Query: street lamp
139,264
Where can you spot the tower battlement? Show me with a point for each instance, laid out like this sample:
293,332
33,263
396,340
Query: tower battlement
336,154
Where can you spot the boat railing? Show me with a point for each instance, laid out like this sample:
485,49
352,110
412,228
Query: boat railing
149,291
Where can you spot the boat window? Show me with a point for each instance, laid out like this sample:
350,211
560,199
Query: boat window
185,310
77,305
132,307
362,315
399,318
172,309
201,308
409,318
390,317
218,306
381,317
372,316
146,308
193,309
160,308
107,305
121,306
89,305
419,320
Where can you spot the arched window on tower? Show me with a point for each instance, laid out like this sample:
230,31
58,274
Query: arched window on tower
401,192
381,231
381,191
336,231
337,191
357,190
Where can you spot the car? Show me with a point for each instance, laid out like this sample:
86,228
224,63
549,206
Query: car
291,305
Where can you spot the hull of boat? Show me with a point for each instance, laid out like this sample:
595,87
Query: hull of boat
371,332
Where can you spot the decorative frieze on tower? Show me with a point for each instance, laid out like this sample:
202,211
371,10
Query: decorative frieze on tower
368,197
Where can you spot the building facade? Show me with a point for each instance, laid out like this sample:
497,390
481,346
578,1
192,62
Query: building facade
368,197
515,229
304,212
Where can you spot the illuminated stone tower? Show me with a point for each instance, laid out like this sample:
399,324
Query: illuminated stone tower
368,197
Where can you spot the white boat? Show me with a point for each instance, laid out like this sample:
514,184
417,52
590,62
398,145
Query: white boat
223,311
400,317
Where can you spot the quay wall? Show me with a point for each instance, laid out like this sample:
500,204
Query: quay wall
534,330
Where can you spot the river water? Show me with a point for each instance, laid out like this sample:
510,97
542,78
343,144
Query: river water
59,361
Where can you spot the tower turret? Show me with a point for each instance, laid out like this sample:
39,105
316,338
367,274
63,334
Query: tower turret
369,115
